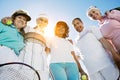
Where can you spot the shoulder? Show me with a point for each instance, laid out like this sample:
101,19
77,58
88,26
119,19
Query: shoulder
114,11
28,29
1,24
5,26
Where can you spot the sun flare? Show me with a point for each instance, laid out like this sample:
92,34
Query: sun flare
49,31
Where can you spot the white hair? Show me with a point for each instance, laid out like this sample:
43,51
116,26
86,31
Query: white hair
89,9
42,15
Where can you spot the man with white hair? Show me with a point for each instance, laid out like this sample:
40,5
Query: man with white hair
35,50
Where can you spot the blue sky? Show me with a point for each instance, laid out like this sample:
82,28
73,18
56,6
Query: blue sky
65,10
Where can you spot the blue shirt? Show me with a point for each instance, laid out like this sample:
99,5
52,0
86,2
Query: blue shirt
11,37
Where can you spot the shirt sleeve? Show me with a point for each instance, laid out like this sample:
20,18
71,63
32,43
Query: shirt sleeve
114,14
77,51
96,31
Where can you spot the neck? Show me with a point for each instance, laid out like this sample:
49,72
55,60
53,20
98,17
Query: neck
101,18
39,29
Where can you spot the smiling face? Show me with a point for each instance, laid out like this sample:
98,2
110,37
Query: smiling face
42,22
78,25
94,14
20,21
61,29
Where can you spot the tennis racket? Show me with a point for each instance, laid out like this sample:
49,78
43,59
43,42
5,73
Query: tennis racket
18,71
51,76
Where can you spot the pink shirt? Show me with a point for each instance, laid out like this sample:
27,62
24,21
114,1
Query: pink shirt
110,29
114,14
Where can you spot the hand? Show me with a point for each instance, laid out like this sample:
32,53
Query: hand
7,20
70,40
84,76
47,50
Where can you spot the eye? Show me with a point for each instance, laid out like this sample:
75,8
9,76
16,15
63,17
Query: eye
74,24
45,20
93,12
22,18
19,17
40,19
90,15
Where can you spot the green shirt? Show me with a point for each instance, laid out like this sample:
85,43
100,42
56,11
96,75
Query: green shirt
11,37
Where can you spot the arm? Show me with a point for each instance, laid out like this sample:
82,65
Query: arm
78,64
39,38
70,41
6,20
77,51
35,36
107,45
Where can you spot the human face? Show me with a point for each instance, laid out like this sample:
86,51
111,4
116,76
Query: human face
78,25
42,22
60,31
20,22
95,14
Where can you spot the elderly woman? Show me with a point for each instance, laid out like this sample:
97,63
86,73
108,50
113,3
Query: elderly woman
110,29
109,24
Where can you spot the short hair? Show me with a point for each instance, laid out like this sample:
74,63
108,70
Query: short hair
89,9
77,19
58,24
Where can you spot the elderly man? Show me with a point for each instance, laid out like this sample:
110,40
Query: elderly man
35,50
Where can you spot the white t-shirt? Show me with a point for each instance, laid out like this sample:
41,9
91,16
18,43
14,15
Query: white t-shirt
95,56
34,54
61,50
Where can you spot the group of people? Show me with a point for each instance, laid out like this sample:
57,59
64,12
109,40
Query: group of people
99,46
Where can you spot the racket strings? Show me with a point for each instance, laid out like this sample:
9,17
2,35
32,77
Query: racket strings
17,72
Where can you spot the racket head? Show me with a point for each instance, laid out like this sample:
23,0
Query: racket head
18,71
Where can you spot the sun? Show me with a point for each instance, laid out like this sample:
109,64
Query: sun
49,31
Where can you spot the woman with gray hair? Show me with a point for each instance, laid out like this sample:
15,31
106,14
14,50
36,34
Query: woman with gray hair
110,29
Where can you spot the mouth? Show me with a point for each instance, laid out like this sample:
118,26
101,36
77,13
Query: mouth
79,29
21,22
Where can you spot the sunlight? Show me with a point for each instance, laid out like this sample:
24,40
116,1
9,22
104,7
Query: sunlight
49,31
